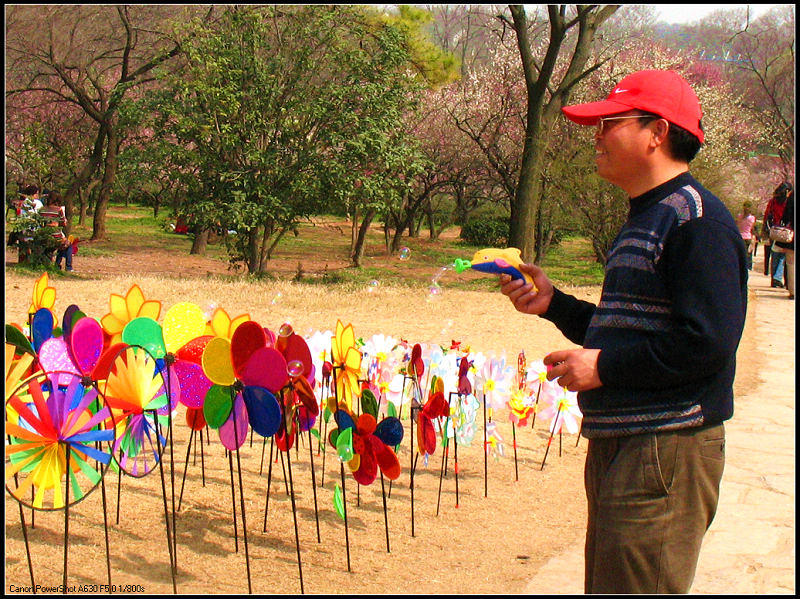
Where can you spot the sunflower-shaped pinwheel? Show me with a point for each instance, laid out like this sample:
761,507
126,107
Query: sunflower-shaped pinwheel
124,309
365,444
346,363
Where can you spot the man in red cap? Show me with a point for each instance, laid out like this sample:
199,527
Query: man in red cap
655,372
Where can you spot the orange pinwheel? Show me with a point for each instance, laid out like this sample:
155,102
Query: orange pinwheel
347,364
124,309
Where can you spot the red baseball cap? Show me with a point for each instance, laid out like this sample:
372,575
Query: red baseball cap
664,93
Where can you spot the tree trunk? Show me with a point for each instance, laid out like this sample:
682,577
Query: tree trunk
111,163
83,177
358,250
199,243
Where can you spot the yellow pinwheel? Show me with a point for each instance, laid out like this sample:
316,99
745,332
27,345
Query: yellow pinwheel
44,296
124,309
347,364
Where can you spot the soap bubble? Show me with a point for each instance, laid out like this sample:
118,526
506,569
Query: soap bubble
404,253
278,297
434,291
372,285
295,368
286,330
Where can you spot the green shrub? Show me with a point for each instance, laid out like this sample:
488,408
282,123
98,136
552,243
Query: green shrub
487,231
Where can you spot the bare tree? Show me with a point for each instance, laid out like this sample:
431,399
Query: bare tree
546,96
92,57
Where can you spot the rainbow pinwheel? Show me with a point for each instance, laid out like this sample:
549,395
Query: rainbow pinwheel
365,444
136,393
53,445
124,309
346,361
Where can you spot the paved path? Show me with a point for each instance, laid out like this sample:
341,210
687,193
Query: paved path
750,547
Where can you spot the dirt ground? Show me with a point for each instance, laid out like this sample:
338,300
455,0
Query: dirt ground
487,529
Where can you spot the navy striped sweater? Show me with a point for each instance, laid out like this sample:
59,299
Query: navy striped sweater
670,317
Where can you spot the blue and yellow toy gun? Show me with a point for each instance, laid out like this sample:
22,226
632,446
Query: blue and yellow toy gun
495,261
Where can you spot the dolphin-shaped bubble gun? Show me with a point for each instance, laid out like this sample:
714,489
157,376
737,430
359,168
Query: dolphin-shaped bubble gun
495,261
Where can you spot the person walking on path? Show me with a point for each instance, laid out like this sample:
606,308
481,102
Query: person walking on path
772,217
747,222
655,372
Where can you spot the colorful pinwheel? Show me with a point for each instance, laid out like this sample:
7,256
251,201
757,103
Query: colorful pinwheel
136,393
435,408
53,445
365,444
495,380
563,412
246,374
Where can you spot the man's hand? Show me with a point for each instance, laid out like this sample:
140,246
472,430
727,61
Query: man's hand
575,369
527,298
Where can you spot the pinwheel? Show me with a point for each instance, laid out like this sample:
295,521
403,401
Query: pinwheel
537,384
495,380
365,444
562,411
44,296
136,392
346,361
124,309
494,442
435,408
52,448
246,374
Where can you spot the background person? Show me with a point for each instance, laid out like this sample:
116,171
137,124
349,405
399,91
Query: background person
772,217
746,222
784,250
655,372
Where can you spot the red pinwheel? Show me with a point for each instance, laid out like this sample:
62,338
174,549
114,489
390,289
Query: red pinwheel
366,444
435,407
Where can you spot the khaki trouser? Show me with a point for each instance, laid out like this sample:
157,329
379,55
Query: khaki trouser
651,499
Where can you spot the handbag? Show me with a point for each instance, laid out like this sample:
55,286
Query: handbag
781,234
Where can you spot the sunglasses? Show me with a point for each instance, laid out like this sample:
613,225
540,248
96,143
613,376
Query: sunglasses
602,120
